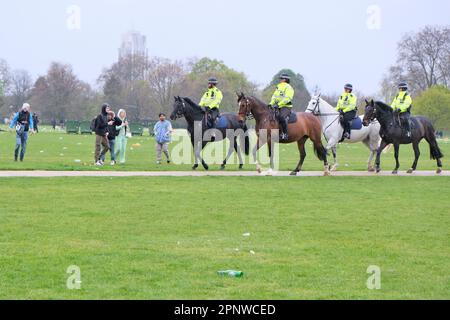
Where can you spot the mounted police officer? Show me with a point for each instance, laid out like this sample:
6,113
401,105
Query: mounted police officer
402,105
282,102
347,108
211,101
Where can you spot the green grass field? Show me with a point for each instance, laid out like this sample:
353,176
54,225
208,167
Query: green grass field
165,238
60,151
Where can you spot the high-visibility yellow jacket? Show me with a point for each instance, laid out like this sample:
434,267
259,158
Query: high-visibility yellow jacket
402,102
347,102
283,96
212,98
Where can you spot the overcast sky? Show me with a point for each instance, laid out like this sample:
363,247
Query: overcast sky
329,42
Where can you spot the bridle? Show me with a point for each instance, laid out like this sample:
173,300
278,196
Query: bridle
248,115
317,113
181,111
373,116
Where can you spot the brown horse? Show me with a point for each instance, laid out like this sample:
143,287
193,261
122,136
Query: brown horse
306,126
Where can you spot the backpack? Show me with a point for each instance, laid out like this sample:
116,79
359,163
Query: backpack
93,124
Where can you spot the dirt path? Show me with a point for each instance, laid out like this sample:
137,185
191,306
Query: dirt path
44,174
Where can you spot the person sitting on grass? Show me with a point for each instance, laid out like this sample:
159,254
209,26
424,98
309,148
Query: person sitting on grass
163,130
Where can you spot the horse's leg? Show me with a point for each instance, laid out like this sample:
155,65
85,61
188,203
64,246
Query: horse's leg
371,155
270,146
205,166
230,152
255,151
378,159
301,149
237,149
336,164
397,163
416,157
194,146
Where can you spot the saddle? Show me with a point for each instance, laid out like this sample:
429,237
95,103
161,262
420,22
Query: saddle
292,116
220,123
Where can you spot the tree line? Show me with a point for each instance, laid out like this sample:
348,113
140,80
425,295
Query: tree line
146,86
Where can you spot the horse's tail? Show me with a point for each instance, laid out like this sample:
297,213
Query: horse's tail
430,136
247,140
320,151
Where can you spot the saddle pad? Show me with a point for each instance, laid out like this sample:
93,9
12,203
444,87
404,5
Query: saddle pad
222,123
357,124
292,117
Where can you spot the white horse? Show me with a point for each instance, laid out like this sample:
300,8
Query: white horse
333,131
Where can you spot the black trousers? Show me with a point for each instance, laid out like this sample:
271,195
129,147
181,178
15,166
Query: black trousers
347,119
404,121
283,118
213,114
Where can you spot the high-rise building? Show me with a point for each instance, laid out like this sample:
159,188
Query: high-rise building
133,43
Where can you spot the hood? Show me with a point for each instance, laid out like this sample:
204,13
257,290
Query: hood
118,114
104,110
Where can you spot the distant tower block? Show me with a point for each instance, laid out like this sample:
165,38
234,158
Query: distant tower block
133,43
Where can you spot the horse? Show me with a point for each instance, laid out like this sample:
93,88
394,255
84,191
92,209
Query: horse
392,133
333,131
195,116
305,126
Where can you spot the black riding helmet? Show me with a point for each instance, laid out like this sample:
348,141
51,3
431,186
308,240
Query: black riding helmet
403,86
349,86
286,77
213,81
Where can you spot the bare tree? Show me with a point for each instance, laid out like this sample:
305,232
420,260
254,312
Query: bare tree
60,95
423,60
163,78
21,85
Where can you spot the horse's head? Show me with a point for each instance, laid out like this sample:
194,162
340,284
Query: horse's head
178,109
245,110
370,112
314,105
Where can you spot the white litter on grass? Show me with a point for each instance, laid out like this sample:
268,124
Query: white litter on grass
246,234
252,252
61,154
65,148
77,160
42,151
237,249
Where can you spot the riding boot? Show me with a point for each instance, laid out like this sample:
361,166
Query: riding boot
284,129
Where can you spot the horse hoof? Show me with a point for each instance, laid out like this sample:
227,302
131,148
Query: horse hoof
293,173
206,168
241,167
378,170
439,171
371,169
410,171
333,168
194,168
395,172
259,170
222,167
326,174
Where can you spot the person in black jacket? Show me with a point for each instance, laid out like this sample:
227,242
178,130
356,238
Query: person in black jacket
101,134
36,122
112,133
